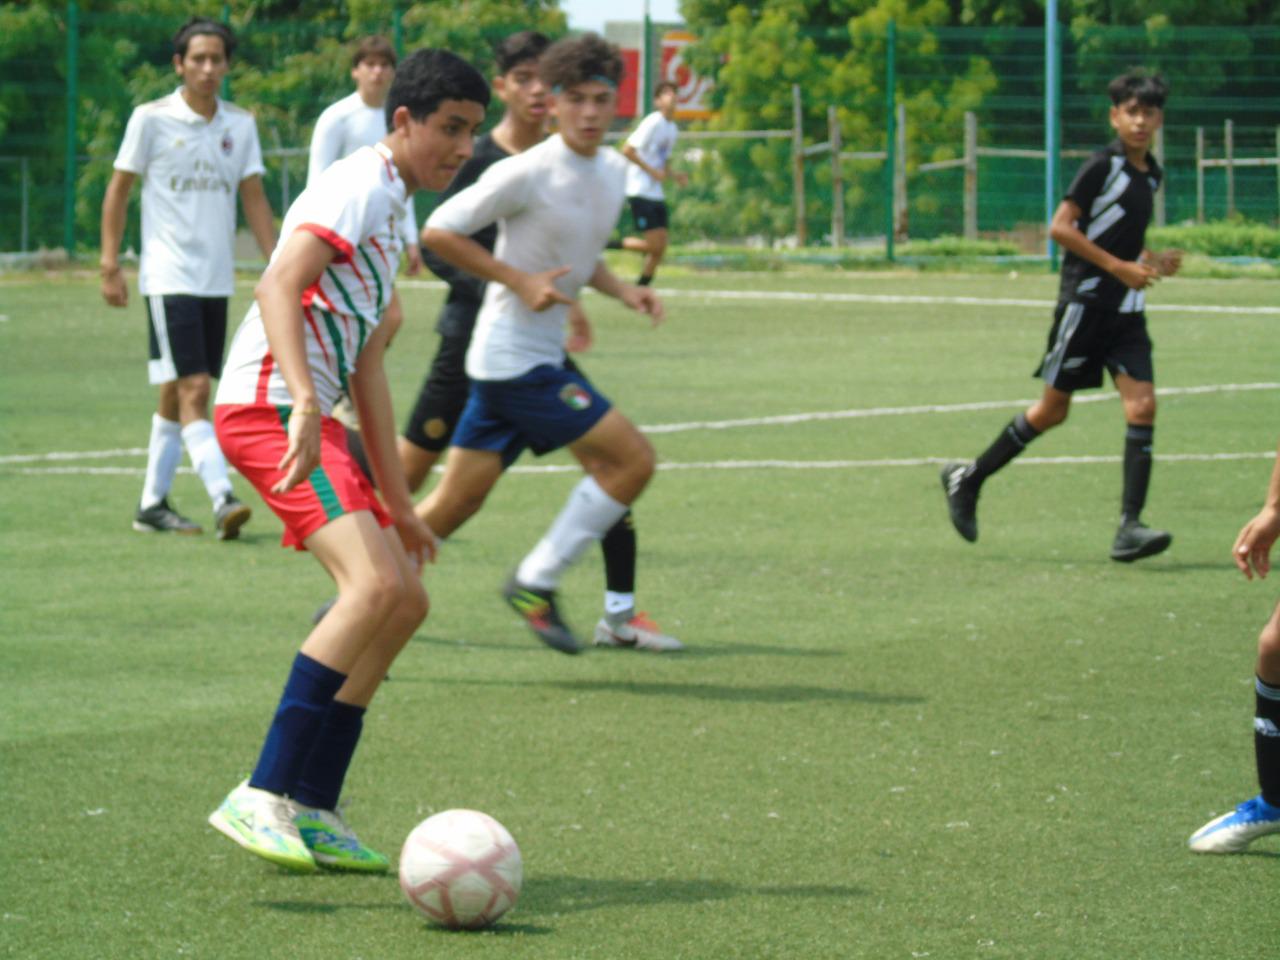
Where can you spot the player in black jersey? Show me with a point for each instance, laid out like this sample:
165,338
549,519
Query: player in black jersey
1099,322
444,391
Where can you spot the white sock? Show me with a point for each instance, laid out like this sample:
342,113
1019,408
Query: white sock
164,453
587,516
206,457
616,603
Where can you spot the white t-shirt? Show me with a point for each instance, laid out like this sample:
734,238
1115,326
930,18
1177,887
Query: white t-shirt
654,140
343,128
358,207
554,208
191,169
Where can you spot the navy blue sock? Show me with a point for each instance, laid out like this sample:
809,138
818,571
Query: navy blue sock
321,782
303,705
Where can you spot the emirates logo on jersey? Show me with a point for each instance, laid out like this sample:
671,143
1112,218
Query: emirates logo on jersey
227,144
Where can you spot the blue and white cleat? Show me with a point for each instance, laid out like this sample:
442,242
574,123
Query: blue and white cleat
1232,832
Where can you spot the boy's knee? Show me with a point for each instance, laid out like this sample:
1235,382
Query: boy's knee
1141,411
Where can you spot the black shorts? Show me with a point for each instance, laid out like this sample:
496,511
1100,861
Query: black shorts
185,336
1085,339
442,396
648,214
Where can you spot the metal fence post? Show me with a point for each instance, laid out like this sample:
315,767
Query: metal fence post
1052,105
25,167
1228,145
970,175
1159,197
397,31
73,97
1278,175
1199,174
837,178
797,162
900,217
890,80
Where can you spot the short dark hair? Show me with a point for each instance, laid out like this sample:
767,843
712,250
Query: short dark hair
1149,89
203,27
428,77
522,47
373,48
580,59
663,87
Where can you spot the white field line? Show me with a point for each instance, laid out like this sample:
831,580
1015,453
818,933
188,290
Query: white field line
808,296
748,464
782,419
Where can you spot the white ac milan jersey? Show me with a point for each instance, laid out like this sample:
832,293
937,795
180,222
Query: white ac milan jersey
191,169
357,206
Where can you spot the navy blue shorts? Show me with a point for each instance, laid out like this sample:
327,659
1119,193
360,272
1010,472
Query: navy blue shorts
542,410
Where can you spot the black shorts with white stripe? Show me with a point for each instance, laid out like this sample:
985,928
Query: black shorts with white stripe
185,335
1086,339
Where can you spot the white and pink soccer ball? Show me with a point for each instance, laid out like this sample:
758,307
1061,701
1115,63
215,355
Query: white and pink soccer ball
461,869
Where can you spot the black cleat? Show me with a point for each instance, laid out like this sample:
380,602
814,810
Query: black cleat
538,609
162,518
962,499
1134,541
231,516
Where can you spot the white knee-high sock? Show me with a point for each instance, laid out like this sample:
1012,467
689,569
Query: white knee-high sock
206,457
164,453
587,517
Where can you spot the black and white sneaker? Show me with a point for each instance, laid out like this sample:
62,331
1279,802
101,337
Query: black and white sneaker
962,499
538,609
231,515
162,518
1134,541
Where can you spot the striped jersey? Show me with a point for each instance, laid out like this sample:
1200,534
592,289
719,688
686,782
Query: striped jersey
1116,200
357,206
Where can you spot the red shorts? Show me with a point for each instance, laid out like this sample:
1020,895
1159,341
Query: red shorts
255,436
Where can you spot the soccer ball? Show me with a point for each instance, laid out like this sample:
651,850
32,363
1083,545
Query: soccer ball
461,869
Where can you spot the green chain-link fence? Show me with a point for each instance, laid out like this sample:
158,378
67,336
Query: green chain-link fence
967,105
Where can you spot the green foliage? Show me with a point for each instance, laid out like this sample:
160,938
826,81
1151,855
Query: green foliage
1230,238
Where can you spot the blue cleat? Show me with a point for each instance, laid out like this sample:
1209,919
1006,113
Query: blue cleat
1232,832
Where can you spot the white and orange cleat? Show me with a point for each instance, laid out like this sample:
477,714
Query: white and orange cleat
635,630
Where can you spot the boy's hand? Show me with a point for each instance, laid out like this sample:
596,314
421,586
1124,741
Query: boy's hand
114,290
420,542
538,291
303,453
580,337
1167,262
1136,275
1252,550
682,178
645,300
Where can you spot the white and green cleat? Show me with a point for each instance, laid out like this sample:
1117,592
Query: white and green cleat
333,843
262,823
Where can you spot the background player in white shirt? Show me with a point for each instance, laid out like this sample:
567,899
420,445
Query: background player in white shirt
649,149
194,152
360,120
556,205
320,325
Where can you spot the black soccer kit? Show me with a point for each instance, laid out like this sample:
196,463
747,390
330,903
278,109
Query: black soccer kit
1099,322
444,391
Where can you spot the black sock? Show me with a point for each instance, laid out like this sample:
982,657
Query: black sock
1012,441
320,784
645,280
1266,741
615,243
1137,471
303,705
619,547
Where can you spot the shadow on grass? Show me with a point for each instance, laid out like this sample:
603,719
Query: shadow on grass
696,652
567,894
789,693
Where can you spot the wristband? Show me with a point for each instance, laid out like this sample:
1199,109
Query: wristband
307,411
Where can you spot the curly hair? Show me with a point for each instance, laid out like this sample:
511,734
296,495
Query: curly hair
581,59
